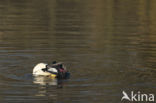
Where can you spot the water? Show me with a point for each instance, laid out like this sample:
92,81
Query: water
107,45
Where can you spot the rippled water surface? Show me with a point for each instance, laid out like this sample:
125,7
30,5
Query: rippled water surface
107,45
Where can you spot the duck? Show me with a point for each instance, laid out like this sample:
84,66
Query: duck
53,70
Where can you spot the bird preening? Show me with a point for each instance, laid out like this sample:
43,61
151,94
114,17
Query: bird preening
53,70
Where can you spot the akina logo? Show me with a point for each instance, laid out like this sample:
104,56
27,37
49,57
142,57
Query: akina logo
137,96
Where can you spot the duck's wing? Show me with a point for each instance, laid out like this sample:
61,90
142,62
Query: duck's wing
52,70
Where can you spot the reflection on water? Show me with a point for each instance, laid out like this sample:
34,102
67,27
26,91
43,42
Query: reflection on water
42,80
107,45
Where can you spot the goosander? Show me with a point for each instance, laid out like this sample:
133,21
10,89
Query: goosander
54,70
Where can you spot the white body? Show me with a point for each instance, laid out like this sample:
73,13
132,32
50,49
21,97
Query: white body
38,69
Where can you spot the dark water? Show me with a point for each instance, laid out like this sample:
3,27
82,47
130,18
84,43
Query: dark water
108,46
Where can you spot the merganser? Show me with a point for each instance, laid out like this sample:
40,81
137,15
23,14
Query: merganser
54,70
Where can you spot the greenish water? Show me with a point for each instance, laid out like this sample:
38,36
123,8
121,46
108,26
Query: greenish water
108,46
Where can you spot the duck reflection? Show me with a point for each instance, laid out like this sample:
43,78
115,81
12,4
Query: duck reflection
45,80
45,83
